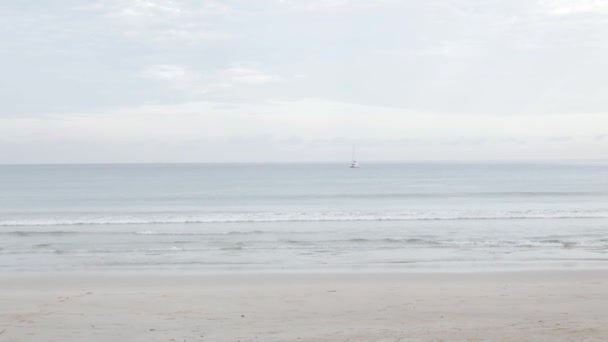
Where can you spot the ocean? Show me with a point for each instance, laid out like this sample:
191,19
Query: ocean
302,217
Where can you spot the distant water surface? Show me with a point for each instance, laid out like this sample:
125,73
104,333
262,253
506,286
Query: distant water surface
304,216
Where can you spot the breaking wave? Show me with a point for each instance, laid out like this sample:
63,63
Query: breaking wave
178,218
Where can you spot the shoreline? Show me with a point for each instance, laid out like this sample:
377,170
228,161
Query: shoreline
351,306
392,268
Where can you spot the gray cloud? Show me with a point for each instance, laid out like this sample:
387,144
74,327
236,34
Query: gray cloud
601,137
513,57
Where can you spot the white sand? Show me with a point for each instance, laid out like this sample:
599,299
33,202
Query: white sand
532,306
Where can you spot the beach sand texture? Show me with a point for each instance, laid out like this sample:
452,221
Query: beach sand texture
499,306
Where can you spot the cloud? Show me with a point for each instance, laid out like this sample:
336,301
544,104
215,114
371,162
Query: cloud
296,131
321,5
248,75
137,9
310,119
192,35
569,7
166,21
469,78
559,139
200,83
167,72
601,137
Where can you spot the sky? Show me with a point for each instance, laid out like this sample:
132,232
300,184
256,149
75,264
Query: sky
87,81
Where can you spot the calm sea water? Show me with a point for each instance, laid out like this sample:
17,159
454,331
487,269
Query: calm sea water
214,217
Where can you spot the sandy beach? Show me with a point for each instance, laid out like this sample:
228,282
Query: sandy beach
506,306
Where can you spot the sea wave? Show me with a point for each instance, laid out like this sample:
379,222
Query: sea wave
338,245
397,195
177,218
25,233
153,232
438,242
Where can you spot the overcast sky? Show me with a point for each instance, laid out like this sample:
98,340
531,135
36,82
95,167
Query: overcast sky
297,80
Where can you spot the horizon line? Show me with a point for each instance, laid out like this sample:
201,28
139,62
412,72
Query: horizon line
421,161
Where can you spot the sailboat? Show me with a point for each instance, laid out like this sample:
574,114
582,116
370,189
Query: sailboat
354,164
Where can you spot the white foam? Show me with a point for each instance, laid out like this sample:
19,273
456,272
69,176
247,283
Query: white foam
164,218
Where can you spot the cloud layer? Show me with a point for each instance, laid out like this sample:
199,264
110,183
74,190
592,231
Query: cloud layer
279,80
